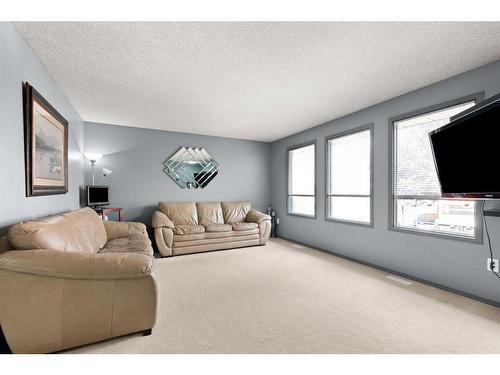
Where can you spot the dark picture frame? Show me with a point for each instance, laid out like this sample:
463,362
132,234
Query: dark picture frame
45,146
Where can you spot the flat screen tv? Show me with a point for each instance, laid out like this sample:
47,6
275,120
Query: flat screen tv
467,153
97,196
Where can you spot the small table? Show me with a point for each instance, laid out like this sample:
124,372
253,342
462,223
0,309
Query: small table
105,211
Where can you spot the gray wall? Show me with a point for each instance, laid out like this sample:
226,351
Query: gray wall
18,64
451,263
138,182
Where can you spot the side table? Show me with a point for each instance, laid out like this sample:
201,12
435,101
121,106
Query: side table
105,211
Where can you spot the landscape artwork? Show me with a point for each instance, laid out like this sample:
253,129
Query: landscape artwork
46,133
49,144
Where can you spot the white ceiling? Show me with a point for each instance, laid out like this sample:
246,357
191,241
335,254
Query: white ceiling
258,80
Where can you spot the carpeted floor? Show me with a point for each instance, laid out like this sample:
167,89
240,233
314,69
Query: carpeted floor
285,299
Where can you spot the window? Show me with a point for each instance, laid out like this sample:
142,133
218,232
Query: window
301,180
416,191
349,179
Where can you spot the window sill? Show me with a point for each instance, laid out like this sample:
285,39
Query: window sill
444,236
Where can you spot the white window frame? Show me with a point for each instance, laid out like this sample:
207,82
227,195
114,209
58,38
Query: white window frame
478,230
288,195
328,171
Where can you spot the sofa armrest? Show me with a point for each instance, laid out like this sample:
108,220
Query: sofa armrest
160,220
120,229
164,239
77,265
254,216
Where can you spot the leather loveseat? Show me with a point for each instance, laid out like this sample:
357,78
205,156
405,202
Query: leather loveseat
72,279
183,228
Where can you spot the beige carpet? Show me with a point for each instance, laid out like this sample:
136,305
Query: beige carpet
283,299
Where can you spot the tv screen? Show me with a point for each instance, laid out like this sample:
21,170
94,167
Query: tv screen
466,153
97,196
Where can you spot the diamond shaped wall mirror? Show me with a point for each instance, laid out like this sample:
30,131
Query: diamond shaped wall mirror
191,168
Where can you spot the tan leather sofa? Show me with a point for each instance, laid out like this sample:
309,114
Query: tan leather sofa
183,228
72,279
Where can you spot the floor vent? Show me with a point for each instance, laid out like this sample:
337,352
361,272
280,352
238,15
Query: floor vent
399,280
297,246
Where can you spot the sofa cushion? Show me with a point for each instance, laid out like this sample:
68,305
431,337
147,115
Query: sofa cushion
135,243
235,212
183,213
218,227
188,229
209,213
244,226
79,231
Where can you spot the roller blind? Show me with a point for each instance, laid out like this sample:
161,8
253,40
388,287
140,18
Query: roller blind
301,170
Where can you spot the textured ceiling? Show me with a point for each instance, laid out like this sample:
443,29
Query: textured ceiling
258,80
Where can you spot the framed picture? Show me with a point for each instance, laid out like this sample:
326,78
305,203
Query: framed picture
45,146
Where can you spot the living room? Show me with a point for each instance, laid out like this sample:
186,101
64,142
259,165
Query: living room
250,186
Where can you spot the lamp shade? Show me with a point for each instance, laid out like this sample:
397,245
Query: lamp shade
92,156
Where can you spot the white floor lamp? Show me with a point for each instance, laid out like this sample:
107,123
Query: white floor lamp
93,157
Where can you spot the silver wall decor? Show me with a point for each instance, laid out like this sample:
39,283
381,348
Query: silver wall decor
191,168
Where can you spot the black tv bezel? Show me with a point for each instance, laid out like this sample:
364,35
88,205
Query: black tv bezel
468,114
96,204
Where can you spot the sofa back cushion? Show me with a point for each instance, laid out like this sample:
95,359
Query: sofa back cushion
235,212
209,213
183,213
79,231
